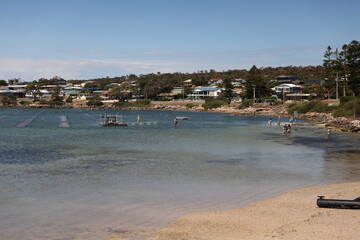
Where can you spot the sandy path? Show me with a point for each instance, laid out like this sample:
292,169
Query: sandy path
293,215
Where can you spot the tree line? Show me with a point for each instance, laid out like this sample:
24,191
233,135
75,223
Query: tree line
342,67
340,70
151,85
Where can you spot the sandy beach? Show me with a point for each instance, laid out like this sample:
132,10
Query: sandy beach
293,215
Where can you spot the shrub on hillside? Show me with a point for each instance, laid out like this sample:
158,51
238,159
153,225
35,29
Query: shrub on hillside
8,100
246,103
164,99
44,102
349,107
24,103
214,103
309,107
141,103
190,105
94,103
321,107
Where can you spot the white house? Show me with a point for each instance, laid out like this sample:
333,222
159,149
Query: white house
205,92
188,83
43,93
18,90
287,88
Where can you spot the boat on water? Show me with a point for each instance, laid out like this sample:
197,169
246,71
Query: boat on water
112,120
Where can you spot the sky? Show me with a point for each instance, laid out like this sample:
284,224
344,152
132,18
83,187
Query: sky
85,39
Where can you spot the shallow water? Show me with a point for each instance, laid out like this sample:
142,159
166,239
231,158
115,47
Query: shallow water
87,182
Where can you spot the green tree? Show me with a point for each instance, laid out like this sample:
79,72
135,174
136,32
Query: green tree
57,96
122,92
34,90
149,86
228,92
14,81
353,64
314,88
200,80
255,82
332,70
3,83
328,64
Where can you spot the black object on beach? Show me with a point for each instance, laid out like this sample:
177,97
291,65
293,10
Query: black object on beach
337,203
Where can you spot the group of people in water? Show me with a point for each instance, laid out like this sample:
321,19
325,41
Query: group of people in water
287,126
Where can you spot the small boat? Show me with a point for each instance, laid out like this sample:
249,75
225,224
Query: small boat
182,118
111,120
338,203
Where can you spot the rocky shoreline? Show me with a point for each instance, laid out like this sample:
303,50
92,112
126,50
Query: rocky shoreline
327,120
337,123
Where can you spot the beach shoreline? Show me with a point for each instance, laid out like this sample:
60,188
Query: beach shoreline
292,215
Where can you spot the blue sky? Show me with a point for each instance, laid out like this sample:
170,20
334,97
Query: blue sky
82,39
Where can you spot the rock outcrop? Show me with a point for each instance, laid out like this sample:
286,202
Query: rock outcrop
340,123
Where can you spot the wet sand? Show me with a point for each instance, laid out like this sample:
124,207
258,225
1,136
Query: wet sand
293,215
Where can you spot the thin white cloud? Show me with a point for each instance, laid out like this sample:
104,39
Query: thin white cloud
75,68
157,61
83,51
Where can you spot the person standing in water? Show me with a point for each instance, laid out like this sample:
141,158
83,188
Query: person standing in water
328,134
175,122
288,128
285,129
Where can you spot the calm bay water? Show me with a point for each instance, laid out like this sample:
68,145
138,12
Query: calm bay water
87,182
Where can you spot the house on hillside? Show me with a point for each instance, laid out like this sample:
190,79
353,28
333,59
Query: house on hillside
288,91
215,81
238,82
177,90
188,83
288,79
83,84
287,88
205,92
16,90
43,93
